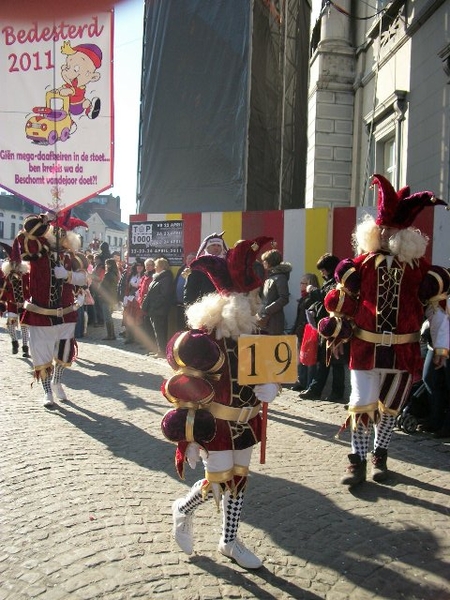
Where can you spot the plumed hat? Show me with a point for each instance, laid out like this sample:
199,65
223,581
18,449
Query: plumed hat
36,225
236,272
399,209
435,285
213,238
30,241
65,221
241,264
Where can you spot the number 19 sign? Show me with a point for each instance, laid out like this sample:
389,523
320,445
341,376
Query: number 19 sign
267,359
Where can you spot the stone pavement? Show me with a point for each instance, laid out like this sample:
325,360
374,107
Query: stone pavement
86,494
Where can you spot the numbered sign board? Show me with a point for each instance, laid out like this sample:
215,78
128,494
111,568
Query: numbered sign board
267,359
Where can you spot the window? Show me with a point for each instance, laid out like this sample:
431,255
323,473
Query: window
389,160
2,229
13,231
385,128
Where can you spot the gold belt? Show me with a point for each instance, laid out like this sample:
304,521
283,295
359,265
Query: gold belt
387,338
49,312
229,413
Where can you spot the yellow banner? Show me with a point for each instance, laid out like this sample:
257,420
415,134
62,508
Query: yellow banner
267,359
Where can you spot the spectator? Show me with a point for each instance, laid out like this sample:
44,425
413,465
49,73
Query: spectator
180,282
157,303
148,340
96,278
198,284
116,256
132,313
437,380
108,296
326,265
308,283
104,252
275,293
89,306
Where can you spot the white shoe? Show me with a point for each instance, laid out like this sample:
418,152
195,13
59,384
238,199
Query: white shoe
183,528
59,392
48,400
238,552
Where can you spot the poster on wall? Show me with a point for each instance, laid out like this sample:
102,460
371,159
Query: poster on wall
153,239
56,105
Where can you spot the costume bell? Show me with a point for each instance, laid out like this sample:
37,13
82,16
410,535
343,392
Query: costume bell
214,418
14,289
379,305
56,272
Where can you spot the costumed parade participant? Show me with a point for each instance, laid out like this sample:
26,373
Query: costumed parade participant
51,311
14,289
381,300
215,419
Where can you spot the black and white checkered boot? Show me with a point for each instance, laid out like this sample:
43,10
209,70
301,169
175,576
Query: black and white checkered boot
229,544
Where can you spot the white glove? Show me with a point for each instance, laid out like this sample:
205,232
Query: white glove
78,278
266,392
80,300
60,272
192,454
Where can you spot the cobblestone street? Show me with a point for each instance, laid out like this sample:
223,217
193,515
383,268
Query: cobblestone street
87,489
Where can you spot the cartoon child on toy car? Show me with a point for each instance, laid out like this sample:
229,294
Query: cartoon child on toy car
80,69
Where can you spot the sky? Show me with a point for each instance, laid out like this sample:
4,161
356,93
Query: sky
128,26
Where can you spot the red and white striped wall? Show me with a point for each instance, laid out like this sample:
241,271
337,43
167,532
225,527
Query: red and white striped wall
302,235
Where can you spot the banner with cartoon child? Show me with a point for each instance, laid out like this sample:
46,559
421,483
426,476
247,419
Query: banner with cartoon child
56,102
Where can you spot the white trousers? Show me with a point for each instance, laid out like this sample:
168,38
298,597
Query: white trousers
45,343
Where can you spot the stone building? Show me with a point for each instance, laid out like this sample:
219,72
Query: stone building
378,99
102,213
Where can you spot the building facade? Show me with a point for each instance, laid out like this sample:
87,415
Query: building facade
378,99
102,214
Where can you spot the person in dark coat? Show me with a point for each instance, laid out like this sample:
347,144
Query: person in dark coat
326,264
179,285
108,296
157,303
105,252
275,293
308,283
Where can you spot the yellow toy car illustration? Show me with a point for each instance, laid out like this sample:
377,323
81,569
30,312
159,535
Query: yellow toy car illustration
51,122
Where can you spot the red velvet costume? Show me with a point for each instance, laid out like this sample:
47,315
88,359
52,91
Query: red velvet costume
379,307
48,292
51,309
220,376
14,288
392,301
215,418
